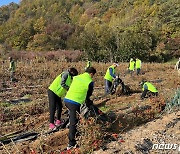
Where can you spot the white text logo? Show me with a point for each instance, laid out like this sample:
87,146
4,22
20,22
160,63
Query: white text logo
166,146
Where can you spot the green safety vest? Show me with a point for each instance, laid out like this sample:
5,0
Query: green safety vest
150,86
107,75
12,66
131,66
138,63
88,64
56,85
79,87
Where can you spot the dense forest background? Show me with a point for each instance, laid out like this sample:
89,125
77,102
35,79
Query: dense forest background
104,30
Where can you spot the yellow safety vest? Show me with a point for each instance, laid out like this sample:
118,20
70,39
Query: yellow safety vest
88,64
56,85
138,63
107,75
79,87
131,65
150,86
12,66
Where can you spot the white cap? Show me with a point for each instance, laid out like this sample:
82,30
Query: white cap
116,64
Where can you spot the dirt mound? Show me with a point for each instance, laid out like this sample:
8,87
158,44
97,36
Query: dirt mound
55,142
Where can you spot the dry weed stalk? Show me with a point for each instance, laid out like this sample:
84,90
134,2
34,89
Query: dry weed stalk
91,134
4,147
15,146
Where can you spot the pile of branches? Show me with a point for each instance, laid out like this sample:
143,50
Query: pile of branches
91,134
91,128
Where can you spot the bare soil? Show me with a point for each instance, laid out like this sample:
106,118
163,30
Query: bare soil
24,107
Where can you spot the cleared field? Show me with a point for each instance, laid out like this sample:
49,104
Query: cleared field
24,104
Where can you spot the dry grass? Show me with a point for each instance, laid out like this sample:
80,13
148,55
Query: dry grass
35,76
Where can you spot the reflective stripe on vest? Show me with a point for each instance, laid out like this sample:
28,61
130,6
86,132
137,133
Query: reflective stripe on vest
150,86
56,85
138,63
108,76
131,65
79,87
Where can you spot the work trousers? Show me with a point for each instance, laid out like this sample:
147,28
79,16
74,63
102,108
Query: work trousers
12,76
108,85
144,93
55,103
73,118
138,71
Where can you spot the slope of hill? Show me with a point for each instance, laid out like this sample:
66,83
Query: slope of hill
104,29
161,131
24,107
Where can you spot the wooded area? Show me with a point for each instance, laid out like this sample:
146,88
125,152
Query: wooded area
105,30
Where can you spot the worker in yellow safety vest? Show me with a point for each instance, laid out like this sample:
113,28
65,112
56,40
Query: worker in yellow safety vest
148,87
131,66
138,66
88,64
79,93
12,68
56,91
109,76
